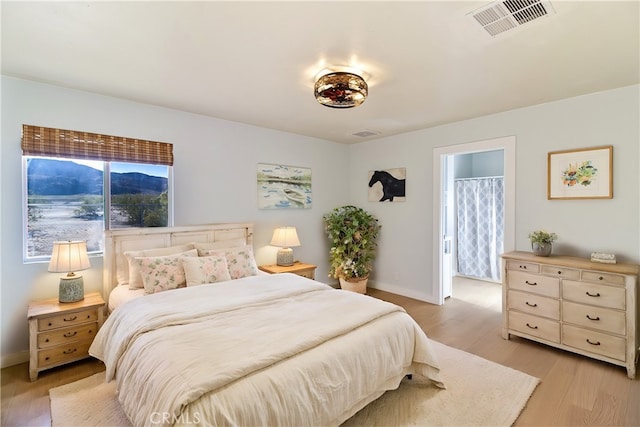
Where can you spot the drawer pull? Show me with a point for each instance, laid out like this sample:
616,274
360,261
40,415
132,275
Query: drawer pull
71,319
69,351
593,318
524,267
593,343
592,295
531,283
559,271
531,305
532,327
600,278
70,334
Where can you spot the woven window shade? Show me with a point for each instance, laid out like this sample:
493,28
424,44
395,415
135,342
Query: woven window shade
50,142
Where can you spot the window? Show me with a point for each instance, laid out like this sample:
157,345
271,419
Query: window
71,198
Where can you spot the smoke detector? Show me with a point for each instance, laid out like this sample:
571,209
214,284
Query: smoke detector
505,15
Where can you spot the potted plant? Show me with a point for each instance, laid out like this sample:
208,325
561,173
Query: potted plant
353,233
541,242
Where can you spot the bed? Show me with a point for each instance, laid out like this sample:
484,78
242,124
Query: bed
249,348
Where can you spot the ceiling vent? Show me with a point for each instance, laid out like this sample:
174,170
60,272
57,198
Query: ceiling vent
365,133
505,15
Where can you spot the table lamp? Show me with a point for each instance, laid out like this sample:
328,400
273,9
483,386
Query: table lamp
285,237
68,257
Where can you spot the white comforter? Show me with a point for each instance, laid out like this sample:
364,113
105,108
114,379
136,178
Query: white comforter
263,350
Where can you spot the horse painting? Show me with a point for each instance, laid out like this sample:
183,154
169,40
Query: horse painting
391,186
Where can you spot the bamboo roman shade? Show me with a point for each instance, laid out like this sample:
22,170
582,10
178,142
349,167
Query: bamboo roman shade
50,142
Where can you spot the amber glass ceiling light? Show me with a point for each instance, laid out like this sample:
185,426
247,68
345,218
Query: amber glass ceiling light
341,90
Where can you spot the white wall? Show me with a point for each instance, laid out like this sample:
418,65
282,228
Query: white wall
214,181
607,118
215,170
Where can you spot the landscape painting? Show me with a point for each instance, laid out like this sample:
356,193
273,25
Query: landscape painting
387,185
283,187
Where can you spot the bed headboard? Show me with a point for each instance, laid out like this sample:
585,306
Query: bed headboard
117,242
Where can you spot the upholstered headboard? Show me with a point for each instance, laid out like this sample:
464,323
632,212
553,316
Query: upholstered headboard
117,242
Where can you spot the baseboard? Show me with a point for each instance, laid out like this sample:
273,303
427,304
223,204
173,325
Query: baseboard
398,290
14,359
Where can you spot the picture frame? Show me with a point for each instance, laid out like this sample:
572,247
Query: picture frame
387,185
585,173
283,186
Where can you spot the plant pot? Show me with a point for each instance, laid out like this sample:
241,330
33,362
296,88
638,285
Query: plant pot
541,249
358,285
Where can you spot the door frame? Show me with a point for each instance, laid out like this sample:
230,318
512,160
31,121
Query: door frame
508,145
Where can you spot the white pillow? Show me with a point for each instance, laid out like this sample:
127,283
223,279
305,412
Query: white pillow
135,280
207,269
220,244
162,273
240,260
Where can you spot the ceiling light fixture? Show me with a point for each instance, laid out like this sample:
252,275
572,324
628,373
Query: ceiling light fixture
340,89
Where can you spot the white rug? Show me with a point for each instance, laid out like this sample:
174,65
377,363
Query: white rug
479,393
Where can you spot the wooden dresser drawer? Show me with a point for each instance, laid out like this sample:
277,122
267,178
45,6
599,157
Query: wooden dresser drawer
523,266
594,342
67,319
541,285
600,277
533,325
64,353
561,272
534,304
602,319
67,335
594,294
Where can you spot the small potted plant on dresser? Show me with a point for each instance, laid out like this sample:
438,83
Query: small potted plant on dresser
353,233
542,242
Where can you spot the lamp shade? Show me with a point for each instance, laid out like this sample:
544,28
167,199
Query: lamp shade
285,237
68,257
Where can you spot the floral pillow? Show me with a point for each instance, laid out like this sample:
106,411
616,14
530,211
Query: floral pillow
240,260
207,269
133,274
163,272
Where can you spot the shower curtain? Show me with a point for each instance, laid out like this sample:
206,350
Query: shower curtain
480,230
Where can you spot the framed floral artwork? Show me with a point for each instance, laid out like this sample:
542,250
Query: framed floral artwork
580,174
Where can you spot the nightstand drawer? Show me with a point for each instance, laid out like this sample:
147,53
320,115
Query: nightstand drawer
67,319
309,274
67,335
62,354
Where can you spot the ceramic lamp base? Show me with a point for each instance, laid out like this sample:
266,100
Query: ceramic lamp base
285,257
71,289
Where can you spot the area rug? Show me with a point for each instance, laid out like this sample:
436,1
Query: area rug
479,393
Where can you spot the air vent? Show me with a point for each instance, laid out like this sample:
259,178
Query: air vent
365,133
501,16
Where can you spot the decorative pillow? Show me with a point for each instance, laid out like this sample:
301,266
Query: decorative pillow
240,260
220,244
207,269
135,280
164,272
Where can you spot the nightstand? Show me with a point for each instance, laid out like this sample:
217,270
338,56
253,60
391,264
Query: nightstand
299,268
61,333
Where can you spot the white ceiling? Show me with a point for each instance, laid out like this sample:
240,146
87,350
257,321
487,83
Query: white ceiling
427,63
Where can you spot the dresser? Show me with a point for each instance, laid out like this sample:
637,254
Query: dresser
61,333
299,268
574,304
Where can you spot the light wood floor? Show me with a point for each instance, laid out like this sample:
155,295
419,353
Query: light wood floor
575,390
